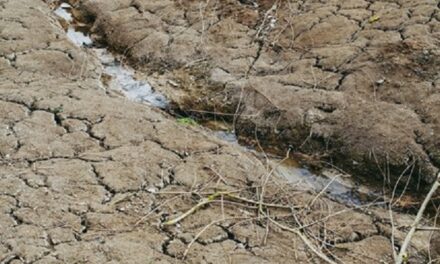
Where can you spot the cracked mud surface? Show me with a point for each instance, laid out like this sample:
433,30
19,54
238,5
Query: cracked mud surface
356,81
87,176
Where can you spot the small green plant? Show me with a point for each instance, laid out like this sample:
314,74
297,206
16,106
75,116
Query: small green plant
58,109
187,121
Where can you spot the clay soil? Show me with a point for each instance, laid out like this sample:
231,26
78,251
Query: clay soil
87,176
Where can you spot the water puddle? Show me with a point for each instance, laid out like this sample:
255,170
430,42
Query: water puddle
336,185
226,136
121,76
78,38
122,79
63,11
222,130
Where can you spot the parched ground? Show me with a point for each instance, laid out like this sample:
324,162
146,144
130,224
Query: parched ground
87,176
355,80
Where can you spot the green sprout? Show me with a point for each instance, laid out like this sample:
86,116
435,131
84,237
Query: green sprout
187,121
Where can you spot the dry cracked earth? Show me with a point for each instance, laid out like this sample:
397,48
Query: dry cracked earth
87,176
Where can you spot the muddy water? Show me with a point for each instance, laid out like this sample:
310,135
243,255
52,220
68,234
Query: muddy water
335,184
332,183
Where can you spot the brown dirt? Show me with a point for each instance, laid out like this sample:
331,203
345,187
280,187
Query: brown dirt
87,176
356,81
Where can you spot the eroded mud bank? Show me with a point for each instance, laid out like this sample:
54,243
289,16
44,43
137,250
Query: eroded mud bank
120,77
354,83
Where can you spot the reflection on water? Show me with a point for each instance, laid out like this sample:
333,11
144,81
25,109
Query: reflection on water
122,76
222,130
63,12
227,136
122,79
334,184
78,38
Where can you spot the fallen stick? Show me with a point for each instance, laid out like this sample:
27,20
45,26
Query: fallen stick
189,212
428,228
213,197
402,253
306,241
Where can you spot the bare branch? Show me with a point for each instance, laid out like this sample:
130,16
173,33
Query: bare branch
403,254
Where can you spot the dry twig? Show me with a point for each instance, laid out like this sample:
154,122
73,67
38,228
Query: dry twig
401,258
306,241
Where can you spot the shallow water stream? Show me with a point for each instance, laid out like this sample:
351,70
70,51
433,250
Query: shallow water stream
122,76
122,79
